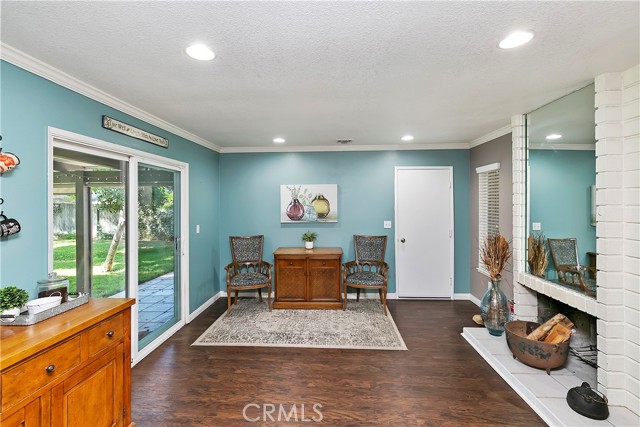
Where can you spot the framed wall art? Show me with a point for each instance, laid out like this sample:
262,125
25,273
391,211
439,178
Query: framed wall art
308,203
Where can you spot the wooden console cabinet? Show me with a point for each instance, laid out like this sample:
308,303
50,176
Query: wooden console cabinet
308,278
71,370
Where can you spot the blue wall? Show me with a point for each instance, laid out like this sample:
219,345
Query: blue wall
250,199
229,193
561,196
29,105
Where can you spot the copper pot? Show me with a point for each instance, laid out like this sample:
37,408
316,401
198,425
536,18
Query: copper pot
538,354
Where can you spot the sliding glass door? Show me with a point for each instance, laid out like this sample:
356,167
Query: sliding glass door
158,251
116,220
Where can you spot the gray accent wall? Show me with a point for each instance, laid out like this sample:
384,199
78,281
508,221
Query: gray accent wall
497,150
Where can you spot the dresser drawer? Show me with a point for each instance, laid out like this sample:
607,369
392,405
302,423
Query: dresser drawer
105,333
292,263
29,376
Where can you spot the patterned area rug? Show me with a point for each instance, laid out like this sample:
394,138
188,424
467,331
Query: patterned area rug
361,326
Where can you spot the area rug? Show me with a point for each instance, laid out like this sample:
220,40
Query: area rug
361,326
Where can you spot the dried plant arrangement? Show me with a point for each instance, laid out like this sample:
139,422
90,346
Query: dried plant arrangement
494,254
537,254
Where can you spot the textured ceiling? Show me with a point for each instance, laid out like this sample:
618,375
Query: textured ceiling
313,72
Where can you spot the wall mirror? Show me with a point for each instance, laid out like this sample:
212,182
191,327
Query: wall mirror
561,178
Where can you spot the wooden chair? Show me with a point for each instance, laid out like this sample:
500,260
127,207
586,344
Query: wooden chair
368,270
564,253
247,270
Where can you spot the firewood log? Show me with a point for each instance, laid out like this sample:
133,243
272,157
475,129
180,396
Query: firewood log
540,333
558,334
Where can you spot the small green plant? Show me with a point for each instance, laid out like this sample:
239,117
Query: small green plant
309,236
12,297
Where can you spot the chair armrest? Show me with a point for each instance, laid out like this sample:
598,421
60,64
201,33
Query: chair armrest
350,268
231,266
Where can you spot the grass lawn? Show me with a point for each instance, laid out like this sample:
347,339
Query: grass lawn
155,258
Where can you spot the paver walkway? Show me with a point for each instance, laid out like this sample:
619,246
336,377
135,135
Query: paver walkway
156,303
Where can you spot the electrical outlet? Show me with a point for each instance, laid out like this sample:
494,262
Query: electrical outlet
387,224
536,226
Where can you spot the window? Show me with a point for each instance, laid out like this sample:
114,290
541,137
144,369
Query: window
488,205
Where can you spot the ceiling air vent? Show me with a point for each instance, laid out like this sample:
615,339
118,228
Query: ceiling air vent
344,141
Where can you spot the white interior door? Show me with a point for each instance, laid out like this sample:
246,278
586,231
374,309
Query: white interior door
424,232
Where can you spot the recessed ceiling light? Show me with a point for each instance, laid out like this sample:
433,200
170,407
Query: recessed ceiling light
516,39
407,138
554,136
278,140
200,52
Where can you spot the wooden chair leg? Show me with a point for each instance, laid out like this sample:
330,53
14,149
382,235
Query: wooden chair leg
383,296
358,295
228,302
260,294
344,302
380,293
269,297
235,300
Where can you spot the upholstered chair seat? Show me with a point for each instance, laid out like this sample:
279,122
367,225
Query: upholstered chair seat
248,279
366,278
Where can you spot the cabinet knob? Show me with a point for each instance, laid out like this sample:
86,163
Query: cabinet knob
110,334
324,263
290,263
50,368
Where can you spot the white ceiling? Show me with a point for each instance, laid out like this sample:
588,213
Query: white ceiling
314,72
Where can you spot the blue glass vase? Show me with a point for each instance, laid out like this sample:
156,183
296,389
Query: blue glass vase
494,309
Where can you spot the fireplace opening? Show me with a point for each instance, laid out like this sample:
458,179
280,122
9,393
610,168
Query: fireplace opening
583,352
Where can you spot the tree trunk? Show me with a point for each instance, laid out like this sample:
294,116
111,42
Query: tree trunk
108,262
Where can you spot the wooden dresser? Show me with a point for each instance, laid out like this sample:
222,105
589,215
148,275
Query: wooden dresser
308,278
71,370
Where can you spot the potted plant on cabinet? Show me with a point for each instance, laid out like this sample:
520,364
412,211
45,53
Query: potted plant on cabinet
11,300
308,238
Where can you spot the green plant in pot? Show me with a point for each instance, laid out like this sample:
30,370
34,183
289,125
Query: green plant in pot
12,299
308,238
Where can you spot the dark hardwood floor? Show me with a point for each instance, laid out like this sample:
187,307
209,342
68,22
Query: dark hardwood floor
439,381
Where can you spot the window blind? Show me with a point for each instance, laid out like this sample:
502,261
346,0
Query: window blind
489,208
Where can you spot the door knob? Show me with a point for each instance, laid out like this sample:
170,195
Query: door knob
402,240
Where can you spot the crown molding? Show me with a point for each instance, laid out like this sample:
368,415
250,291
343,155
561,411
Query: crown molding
44,70
563,147
490,136
408,147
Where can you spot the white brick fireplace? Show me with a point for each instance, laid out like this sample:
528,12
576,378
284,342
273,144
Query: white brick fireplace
617,307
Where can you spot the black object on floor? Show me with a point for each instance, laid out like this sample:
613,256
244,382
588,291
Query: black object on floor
588,402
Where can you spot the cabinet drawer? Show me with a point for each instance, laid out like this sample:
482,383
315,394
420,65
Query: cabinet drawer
33,374
105,333
324,263
292,263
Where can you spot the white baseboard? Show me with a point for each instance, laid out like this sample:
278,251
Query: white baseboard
204,306
468,297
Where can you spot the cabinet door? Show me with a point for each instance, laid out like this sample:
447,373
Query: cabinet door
27,416
93,396
291,279
324,280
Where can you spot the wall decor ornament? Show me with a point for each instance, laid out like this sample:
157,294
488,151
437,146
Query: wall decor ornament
8,161
308,203
134,132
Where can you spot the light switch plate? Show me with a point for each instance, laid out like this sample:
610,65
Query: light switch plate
536,226
197,228
387,224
